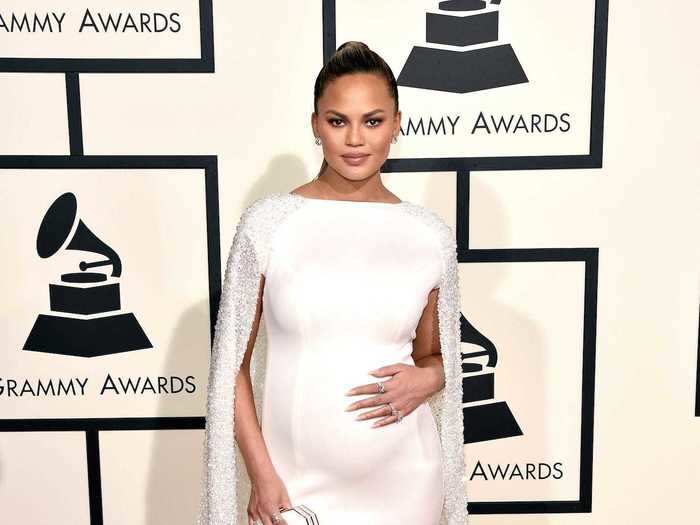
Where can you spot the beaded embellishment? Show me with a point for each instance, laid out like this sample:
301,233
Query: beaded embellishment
225,485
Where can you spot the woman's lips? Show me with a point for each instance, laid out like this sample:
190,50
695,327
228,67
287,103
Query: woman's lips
354,160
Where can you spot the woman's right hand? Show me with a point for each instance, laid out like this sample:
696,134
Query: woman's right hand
268,495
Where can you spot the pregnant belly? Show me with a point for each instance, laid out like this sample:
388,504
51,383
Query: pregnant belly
308,430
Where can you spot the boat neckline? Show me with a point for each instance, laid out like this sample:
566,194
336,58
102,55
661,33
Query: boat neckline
346,201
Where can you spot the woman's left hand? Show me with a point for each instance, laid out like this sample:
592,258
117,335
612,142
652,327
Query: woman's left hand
408,387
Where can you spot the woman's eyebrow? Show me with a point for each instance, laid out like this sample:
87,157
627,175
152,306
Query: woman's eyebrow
378,110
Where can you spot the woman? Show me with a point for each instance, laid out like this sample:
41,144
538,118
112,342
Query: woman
358,293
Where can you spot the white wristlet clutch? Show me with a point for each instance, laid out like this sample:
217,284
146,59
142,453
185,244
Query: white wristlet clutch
299,515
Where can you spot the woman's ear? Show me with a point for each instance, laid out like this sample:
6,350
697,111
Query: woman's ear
397,123
314,120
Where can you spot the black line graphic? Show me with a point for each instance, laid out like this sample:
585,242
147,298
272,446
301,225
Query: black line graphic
92,448
72,67
697,374
589,256
93,426
203,64
75,123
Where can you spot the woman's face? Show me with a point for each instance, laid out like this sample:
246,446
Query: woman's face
356,122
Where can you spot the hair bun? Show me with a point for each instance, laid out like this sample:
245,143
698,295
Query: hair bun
353,44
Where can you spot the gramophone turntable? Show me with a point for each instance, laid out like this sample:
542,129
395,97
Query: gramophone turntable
95,324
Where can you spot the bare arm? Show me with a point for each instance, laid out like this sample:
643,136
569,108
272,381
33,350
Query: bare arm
426,346
410,385
248,434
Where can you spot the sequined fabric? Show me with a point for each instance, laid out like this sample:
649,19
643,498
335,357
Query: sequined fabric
225,485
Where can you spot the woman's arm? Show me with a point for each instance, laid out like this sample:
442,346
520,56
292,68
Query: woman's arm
426,345
409,385
247,433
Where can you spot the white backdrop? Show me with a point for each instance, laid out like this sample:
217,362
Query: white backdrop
164,138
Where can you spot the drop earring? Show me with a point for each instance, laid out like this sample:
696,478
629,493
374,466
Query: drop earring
394,140
318,141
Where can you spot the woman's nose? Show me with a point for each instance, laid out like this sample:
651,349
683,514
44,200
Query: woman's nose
354,136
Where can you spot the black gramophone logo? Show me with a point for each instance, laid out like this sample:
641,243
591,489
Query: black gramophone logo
95,326
462,52
479,403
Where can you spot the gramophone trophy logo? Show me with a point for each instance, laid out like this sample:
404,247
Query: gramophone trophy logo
496,421
463,53
86,319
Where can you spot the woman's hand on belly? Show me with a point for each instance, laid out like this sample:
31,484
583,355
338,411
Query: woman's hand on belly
408,387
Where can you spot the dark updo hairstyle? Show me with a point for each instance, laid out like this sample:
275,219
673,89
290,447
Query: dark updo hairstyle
353,57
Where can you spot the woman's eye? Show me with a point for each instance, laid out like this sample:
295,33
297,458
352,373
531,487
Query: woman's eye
338,121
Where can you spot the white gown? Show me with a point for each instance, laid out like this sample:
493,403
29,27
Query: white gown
345,285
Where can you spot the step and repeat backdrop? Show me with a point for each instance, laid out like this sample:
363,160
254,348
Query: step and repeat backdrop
557,139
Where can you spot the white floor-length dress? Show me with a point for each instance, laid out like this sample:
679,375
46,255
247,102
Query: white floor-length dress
345,285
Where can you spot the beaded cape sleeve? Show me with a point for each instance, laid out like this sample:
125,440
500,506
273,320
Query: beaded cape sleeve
225,485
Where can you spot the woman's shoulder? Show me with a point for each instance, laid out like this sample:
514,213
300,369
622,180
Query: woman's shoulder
260,219
433,221
264,204
265,213
442,234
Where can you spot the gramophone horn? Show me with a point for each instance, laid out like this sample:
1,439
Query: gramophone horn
56,227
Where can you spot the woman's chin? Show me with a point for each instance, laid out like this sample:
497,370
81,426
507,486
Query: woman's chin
356,172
